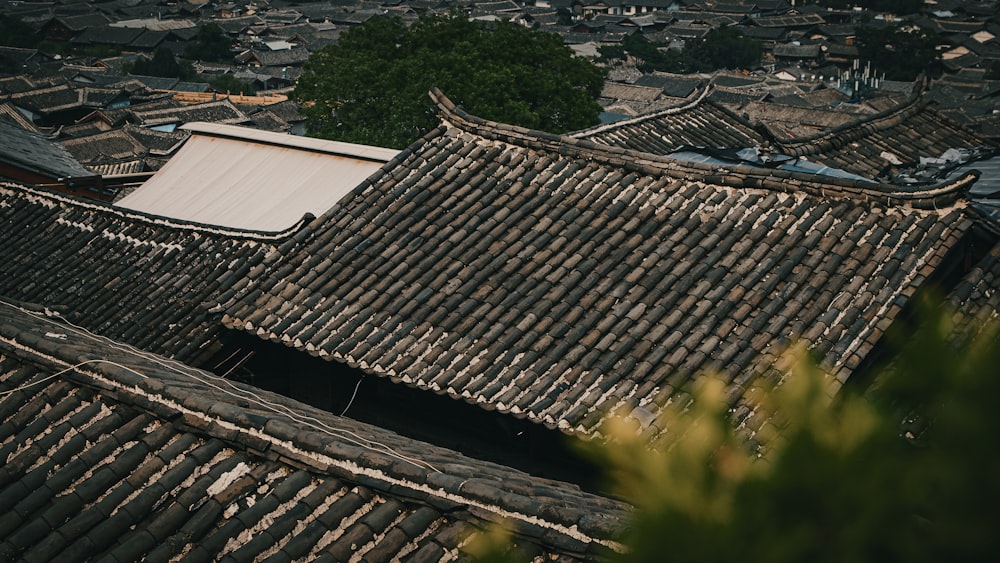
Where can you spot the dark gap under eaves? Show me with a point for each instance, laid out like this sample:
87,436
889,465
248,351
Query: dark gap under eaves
954,265
414,413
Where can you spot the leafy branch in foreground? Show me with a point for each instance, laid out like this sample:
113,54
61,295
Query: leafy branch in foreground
844,477
904,472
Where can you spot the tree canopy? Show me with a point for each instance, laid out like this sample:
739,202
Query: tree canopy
723,47
16,33
210,44
372,86
900,53
163,64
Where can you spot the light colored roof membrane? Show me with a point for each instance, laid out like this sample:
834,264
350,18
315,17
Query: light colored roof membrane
292,141
244,178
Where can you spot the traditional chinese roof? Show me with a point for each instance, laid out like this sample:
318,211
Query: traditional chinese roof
694,122
37,154
114,452
140,279
868,146
222,111
126,143
976,297
557,279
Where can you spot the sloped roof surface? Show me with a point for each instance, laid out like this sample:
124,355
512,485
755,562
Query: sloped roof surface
143,280
128,142
559,280
244,178
976,298
111,452
908,132
222,111
32,151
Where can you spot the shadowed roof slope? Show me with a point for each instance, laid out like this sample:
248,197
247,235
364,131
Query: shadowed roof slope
112,452
559,280
140,279
35,153
976,298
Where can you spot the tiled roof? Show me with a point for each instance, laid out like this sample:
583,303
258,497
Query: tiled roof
47,99
136,278
112,452
32,151
976,298
222,111
127,143
559,280
865,146
907,132
692,123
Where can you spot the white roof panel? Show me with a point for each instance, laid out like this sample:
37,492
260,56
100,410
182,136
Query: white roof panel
249,179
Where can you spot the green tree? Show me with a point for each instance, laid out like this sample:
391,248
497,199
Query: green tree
725,47
211,44
163,64
652,56
900,53
231,84
16,33
371,87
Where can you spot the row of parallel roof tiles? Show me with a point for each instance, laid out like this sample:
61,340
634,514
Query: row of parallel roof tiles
92,455
471,261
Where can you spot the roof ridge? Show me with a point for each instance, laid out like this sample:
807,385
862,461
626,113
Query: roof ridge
863,125
937,196
690,102
28,192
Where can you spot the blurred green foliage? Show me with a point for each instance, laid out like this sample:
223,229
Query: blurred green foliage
906,471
